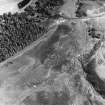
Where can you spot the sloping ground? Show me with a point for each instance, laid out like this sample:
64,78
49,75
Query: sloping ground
60,67
44,69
